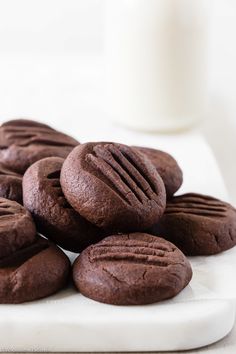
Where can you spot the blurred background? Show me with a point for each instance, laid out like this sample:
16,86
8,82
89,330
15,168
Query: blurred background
52,67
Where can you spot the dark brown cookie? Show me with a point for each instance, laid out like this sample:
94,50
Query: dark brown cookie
33,272
113,186
167,167
23,142
10,184
198,224
53,215
17,228
132,269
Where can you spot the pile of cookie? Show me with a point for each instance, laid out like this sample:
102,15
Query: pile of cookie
112,203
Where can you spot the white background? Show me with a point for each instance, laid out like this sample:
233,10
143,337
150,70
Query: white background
51,67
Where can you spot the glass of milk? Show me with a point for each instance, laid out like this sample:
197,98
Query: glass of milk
156,63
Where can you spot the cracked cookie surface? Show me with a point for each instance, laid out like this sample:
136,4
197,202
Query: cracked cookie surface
131,269
198,224
113,186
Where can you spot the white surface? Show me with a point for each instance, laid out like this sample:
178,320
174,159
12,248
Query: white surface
201,314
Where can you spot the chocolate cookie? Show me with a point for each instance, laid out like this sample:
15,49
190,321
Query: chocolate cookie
17,228
53,215
132,269
113,186
198,224
167,167
10,184
31,273
22,142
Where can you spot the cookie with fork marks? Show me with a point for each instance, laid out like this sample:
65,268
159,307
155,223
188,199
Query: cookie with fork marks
131,269
113,186
198,224
23,142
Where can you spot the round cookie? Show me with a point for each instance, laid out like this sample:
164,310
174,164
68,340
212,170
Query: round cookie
17,228
113,186
31,273
22,142
167,167
53,215
10,184
198,224
131,269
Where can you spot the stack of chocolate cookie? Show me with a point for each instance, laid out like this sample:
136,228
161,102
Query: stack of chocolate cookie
31,267
112,203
